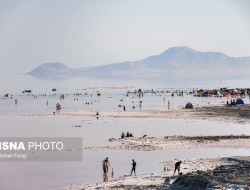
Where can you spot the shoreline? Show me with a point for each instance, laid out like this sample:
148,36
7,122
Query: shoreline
176,142
234,114
196,173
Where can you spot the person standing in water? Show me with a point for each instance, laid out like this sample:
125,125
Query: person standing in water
105,165
112,173
133,167
140,103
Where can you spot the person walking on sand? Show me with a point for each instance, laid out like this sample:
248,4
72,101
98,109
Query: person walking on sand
177,167
133,167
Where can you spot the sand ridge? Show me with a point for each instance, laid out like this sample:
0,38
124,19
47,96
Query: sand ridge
234,114
176,142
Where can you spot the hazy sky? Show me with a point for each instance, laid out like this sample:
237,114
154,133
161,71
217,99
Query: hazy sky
96,32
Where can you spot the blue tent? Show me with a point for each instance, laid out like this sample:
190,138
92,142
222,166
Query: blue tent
239,101
205,94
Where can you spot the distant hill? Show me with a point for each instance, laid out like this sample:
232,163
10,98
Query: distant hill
48,70
174,61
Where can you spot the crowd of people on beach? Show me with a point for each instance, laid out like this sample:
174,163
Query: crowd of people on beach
232,103
127,135
140,93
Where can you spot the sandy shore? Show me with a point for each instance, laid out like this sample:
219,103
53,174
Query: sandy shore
177,142
210,173
235,114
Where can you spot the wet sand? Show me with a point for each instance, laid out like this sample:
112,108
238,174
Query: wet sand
176,142
235,114
210,173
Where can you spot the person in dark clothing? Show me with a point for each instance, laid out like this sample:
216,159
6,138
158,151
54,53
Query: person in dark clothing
105,165
233,103
177,167
133,167
123,135
128,134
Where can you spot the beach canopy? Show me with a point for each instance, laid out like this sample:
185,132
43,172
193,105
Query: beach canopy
189,105
239,101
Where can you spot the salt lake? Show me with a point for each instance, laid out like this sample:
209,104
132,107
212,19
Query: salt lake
28,118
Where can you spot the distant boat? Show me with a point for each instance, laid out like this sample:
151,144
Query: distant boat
26,91
7,95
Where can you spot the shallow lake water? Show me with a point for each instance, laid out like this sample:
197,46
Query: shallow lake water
22,120
57,175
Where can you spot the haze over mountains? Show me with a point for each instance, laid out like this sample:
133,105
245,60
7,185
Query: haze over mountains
176,61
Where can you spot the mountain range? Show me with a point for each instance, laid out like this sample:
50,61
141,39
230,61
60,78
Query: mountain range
174,61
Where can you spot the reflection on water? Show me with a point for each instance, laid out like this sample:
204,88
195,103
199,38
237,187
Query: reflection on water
94,132
16,83
56,175
14,121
